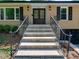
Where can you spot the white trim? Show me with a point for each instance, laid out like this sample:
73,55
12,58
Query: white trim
14,13
66,12
10,20
4,13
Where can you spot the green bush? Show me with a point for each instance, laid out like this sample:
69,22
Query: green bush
14,28
7,28
1,28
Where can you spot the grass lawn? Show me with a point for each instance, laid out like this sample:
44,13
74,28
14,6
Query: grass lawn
5,53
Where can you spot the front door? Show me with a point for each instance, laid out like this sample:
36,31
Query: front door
38,16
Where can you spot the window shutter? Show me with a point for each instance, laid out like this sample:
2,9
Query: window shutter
21,13
70,13
58,13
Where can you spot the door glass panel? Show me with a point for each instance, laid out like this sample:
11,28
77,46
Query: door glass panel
36,14
41,14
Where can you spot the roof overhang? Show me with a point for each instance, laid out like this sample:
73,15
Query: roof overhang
39,1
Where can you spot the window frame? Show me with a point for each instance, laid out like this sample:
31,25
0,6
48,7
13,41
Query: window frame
4,9
66,13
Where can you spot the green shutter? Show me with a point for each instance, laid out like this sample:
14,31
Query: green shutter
58,13
70,13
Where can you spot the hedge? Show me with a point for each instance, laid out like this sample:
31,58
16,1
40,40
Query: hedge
7,28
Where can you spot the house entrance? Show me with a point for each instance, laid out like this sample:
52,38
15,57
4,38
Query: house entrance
39,16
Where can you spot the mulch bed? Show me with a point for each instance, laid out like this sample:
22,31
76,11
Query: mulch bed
11,40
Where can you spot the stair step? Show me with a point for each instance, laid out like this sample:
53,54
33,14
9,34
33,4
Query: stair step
49,29
38,40
39,26
54,53
38,30
40,33
49,38
38,45
38,48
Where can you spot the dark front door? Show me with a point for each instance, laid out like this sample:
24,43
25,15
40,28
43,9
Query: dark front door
38,16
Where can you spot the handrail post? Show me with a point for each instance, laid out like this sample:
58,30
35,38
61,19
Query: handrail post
11,52
68,47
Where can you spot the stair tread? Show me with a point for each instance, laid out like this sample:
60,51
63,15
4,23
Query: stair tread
40,33
39,37
38,43
38,53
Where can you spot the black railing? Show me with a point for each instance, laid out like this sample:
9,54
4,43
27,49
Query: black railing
21,29
57,29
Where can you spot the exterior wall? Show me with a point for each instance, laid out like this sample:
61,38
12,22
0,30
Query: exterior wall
74,23
65,24
68,24
27,12
10,22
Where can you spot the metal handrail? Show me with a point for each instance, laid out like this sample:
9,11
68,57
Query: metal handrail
14,32
61,28
20,25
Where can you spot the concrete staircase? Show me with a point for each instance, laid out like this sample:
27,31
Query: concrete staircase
40,42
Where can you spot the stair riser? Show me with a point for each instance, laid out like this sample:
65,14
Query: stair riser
38,35
39,26
49,29
38,40
41,47
38,30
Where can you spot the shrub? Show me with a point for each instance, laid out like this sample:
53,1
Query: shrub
14,28
1,28
7,28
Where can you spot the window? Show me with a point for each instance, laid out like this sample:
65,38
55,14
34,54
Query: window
9,13
17,13
64,13
1,14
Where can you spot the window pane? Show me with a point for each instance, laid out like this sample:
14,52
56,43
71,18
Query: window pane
17,13
63,16
41,14
63,13
9,13
63,10
1,14
36,14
